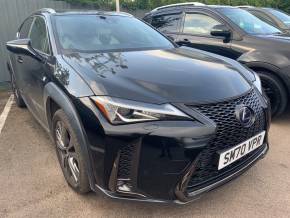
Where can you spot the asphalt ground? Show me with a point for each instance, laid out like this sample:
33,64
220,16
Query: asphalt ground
32,184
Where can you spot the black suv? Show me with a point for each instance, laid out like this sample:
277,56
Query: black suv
274,17
236,34
132,114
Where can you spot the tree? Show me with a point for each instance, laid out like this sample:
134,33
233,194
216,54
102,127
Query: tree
150,4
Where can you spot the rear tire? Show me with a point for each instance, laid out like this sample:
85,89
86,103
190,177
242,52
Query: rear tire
276,92
69,153
17,96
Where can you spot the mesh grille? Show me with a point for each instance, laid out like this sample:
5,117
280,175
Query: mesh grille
229,133
125,162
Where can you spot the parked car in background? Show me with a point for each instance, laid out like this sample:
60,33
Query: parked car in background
132,114
274,17
236,34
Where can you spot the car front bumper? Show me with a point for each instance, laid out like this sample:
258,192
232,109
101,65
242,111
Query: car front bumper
156,161
184,198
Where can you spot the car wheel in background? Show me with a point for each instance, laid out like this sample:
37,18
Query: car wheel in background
69,153
276,92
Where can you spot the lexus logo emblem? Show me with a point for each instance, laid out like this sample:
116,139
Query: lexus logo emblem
245,115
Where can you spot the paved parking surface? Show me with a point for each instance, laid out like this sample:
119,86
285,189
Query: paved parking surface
3,99
32,184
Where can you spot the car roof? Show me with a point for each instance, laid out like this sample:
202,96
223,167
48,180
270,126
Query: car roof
257,8
78,11
179,5
245,6
186,6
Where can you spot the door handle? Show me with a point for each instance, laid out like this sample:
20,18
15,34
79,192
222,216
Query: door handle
184,41
19,59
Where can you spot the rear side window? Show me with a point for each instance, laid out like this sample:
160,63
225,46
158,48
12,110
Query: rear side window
24,30
167,23
38,35
199,24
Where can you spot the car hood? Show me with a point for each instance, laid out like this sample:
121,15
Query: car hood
158,76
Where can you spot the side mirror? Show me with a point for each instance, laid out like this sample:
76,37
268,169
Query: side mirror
23,46
221,30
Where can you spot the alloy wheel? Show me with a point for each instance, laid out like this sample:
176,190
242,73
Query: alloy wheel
66,154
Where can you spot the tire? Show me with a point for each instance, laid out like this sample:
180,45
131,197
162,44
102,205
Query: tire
276,92
69,153
17,96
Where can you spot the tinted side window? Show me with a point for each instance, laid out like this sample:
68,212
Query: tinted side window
199,24
167,23
24,30
38,35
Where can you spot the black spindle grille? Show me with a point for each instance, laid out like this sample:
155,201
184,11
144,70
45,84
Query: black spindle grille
229,133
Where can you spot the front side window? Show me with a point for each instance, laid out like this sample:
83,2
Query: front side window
248,22
167,23
38,35
199,24
24,30
93,33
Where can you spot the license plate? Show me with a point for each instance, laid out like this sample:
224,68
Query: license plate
230,156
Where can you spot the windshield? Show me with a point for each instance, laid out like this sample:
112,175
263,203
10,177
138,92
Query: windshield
93,33
248,22
285,18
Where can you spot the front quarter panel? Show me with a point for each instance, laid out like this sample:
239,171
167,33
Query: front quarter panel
71,80
279,60
263,50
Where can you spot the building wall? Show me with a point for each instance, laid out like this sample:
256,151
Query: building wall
13,12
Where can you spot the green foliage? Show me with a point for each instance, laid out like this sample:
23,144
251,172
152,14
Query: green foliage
150,4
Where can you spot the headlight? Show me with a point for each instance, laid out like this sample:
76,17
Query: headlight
258,83
121,111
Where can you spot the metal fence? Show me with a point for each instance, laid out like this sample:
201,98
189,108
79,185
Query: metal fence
13,12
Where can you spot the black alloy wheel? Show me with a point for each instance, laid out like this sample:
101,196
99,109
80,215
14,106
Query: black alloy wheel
69,154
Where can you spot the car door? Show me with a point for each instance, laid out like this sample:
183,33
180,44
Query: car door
35,70
17,59
196,33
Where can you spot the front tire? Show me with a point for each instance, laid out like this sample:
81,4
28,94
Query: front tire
69,153
276,92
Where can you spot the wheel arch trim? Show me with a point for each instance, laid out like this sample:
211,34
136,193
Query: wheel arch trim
263,65
52,91
272,69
